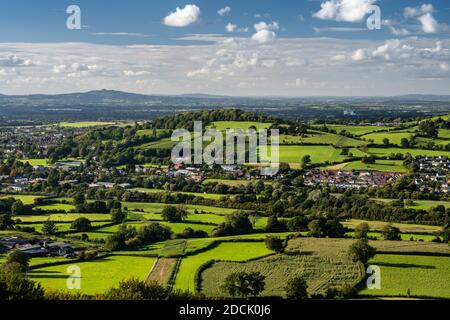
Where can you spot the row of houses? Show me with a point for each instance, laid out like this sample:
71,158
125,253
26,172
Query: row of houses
350,179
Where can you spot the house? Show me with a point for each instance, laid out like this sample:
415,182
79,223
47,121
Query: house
125,185
60,248
15,188
33,250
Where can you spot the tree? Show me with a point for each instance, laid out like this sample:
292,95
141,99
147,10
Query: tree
361,251
391,233
17,256
275,225
134,289
305,161
81,224
446,234
362,230
49,228
174,214
118,216
6,222
244,284
297,223
275,244
15,286
386,142
296,289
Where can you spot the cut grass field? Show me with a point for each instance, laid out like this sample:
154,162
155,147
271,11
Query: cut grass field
420,204
422,275
57,206
384,152
62,217
96,276
394,137
84,124
405,228
36,162
356,130
236,251
26,199
321,268
243,125
318,137
319,154
203,195
232,183
148,207
379,165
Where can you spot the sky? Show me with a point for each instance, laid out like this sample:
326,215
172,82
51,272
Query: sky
226,47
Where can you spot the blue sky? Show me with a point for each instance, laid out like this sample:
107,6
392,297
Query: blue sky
291,47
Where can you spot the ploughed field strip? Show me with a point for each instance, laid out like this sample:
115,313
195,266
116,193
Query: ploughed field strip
161,271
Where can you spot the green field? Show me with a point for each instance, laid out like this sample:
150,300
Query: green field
319,154
394,137
320,267
405,228
420,204
57,206
424,276
356,130
236,251
36,162
318,137
148,207
379,165
84,124
26,199
203,195
96,276
232,183
61,217
243,125
383,152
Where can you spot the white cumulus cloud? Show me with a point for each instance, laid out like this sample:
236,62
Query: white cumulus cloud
344,10
424,14
231,27
183,17
224,11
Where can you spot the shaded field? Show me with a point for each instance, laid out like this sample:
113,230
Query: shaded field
423,276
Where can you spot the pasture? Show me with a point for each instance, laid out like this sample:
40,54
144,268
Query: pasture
97,276
36,162
423,275
236,251
394,137
234,125
318,137
319,154
321,269
68,217
404,227
356,129
379,165
384,152
203,195
84,124
26,199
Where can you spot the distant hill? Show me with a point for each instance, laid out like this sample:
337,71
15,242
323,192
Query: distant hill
110,104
